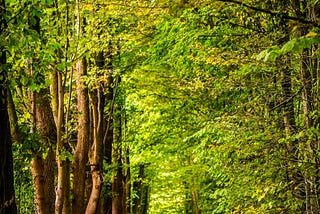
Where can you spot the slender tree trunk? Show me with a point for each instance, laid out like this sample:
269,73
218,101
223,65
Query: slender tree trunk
140,203
7,196
127,181
288,107
306,81
309,70
125,167
62,204
80,158
117,183
107,142
106,203
188,201
309,78
195,199
117,188
294,175
137,189
82,148
311,176
14,128
96,152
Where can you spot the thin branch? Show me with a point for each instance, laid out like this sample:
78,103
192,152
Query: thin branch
286,101
282,15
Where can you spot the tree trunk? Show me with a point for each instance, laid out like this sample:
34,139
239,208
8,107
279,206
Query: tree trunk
107,142
82,148
96,152
97,149
43,168
195,199
127,181
288,107
14,128
117,188
306,81
309,77
141,202
43,164
106,203
311,176
117,183
7,196
62,204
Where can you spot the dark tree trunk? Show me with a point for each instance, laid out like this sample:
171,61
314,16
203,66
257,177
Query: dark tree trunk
127,181
7,196
106,203
117,183
141,202
288,107
14,129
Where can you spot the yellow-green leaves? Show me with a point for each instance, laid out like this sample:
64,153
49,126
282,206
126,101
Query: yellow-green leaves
295,45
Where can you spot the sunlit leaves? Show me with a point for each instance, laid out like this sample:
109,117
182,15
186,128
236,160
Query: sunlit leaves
202,114
295,45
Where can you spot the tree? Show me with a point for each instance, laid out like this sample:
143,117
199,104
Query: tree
7,198
177,106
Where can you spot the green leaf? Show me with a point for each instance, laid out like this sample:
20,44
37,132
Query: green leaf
289,46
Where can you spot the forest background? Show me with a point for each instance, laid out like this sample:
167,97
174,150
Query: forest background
182,106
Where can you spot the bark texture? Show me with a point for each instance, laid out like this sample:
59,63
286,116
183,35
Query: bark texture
82,148
96,152
43,168
14,129
62,204
98,98
118,180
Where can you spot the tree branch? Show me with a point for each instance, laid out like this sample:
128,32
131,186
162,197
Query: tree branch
286,100
282,15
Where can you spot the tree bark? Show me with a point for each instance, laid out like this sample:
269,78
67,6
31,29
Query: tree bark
82,148
127,181
118,179
117,187
43,167
7,196
14,128
62,204
106,203
287,95
140,203
96,152
43,164
96,156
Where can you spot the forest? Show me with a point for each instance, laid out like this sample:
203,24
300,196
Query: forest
159,106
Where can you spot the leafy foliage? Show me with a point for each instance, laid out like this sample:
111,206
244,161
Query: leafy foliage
205,91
